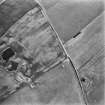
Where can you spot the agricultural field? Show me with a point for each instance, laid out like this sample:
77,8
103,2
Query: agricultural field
87,54
52,52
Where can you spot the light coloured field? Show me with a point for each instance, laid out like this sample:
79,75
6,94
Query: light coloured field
58,86
87,54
